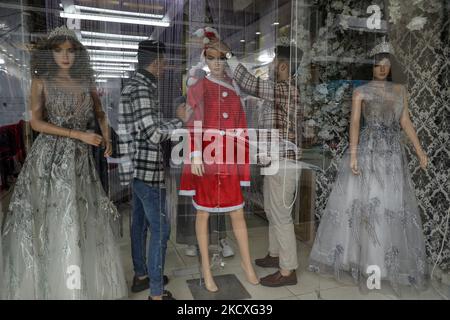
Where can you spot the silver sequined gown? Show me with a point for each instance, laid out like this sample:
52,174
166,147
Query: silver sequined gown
58,240
373,218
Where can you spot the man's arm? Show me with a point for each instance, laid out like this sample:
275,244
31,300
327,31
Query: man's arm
252,85
264,89
147,118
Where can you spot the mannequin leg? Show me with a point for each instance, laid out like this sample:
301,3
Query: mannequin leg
240,232
201,229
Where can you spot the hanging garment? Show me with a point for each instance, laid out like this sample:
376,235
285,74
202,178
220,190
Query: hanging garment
372,222
12,153
58,241
217,106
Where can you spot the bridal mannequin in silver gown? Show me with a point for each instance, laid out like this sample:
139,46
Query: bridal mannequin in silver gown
372,217
58,241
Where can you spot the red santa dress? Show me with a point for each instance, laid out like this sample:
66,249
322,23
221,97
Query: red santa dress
223,144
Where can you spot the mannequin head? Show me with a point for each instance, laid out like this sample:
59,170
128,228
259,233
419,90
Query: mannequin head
216,62
61,54
382,66
64,55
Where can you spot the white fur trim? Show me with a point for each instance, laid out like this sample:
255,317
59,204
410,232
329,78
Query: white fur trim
191,81
186,192
224,209
195,154
245,183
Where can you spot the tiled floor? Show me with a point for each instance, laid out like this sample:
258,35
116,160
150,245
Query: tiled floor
310,286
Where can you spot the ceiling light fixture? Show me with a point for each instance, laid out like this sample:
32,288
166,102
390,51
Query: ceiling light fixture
113,52
110,44
266,57
113,59
118,19
111,75
117,69
112,36
120,12
111,64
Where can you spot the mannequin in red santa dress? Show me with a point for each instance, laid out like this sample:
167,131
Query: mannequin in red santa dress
212,177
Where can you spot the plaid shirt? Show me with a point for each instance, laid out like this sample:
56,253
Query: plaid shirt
141,130
282,110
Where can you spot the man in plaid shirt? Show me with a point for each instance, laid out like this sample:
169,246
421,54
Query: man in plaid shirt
141,131
283,112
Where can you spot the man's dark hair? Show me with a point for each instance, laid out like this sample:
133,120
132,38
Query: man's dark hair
149,51
286,53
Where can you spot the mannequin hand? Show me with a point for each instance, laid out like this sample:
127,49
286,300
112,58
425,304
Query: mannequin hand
423,159
197,167
90,138
108,148
354,165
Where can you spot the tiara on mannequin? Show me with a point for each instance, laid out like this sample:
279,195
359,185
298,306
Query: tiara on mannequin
62,31
382,47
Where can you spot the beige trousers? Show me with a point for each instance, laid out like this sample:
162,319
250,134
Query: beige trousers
279,192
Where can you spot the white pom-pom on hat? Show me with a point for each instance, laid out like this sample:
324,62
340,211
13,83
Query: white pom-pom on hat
200,33
206,40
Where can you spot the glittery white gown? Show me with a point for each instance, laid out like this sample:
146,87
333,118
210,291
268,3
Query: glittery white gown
373,219
58,240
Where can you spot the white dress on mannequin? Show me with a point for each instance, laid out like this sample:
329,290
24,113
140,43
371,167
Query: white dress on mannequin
373,219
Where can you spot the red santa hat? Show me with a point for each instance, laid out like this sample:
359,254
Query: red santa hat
208,34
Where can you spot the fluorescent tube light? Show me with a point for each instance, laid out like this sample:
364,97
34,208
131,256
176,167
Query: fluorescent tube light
120,12
110,44
113,59
118,19
111,64
117,12
116,69
112,36
265,57
109,75
113,52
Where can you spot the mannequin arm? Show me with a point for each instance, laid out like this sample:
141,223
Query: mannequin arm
408,128
354,130
102,121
